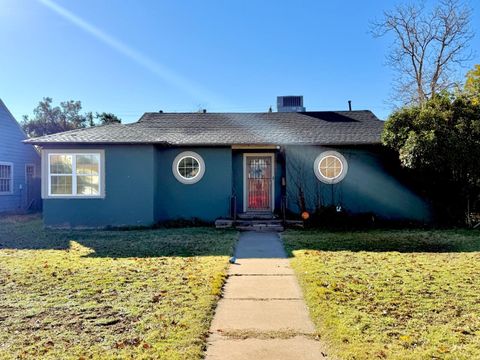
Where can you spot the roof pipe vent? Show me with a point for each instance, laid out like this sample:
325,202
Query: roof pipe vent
349,105
204,111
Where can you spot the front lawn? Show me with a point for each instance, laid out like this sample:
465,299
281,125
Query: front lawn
143,294
392,294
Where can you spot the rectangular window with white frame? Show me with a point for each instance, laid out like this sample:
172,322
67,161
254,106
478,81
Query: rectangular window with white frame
74,174
6,178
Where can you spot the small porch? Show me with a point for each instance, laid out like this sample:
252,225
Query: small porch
258,200
256,224
258,181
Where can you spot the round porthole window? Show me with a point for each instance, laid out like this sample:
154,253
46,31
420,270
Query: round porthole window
188,167
330,167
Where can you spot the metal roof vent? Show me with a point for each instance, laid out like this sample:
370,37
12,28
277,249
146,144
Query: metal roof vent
290,104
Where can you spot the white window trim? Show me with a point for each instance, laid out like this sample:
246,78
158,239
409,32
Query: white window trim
7,163
73,174
180,177
331,178
199,168
46,176
324,179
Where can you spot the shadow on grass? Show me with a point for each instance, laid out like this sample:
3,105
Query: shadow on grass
386,240
27,233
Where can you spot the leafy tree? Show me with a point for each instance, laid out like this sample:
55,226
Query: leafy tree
472,84
48,119
440,141
107,118
428,45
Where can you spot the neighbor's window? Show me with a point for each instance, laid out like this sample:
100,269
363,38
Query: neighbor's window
188,167
6,178
74,174
330,167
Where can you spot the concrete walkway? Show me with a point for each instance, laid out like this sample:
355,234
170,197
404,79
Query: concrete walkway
262,314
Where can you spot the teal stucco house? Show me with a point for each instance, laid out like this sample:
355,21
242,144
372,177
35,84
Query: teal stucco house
169,166
19,168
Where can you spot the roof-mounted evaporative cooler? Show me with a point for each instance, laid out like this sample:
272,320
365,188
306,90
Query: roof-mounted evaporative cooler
290,104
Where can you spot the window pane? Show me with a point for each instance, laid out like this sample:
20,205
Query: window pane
323,167
61,185
87,185
5,171
5,185
60,164
87,164
329,173
182,163
336,163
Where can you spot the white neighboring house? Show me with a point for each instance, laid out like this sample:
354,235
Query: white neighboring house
19,167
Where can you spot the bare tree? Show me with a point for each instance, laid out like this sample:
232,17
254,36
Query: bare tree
427,46
302,191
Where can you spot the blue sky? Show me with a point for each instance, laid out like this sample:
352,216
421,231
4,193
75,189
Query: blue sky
133,56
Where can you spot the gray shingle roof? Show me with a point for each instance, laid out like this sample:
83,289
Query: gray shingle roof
322,128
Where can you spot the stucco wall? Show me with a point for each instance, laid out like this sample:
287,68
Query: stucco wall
129,192
367,187
12,150
208,199
140,188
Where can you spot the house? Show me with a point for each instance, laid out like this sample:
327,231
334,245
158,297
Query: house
19,167
169,166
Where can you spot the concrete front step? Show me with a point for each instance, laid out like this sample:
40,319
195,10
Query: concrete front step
256,215
260,227
257,221
257,224
252,225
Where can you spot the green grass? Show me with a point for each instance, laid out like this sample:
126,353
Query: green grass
392,294
143,294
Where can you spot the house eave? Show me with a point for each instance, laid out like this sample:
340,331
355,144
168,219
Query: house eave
237,146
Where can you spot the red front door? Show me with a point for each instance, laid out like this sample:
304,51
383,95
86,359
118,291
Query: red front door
259,182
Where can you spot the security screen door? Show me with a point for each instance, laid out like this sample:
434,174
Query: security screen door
259,182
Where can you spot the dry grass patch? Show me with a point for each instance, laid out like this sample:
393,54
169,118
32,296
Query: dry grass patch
392,294
108,294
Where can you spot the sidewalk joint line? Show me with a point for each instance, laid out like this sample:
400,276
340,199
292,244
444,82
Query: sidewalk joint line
281,334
